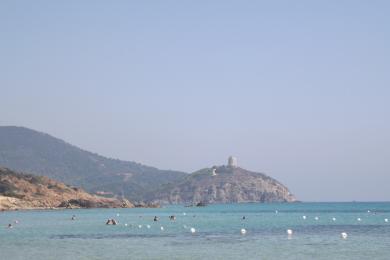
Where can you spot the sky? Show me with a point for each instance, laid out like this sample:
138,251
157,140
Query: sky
299,90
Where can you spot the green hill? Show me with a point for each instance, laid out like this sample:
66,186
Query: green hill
26,150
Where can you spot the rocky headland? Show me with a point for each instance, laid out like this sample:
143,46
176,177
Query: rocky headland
26,191
224,184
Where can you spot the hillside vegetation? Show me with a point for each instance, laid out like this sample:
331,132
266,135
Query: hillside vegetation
26,150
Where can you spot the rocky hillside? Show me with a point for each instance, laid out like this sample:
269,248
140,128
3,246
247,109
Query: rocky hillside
30,151
26,150
224,184
25,191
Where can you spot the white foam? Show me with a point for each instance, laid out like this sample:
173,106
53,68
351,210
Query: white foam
304,217
316,218
193,230
334,219
148,226
139,226
289,232
386,220
243,231
344,235
162,228
359,219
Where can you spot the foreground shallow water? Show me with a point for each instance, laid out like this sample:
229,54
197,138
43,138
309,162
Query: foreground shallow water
53,235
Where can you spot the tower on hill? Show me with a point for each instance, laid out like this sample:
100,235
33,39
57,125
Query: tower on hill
232,162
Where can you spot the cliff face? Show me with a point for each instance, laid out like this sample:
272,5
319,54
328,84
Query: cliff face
226,185
24,191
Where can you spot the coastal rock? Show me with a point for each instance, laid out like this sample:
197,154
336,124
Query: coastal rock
224,184
25,191
147,205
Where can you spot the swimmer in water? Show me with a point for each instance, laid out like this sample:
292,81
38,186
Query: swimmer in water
243,217
73,217
155,218
10,226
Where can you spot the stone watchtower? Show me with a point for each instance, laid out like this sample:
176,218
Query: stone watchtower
232,162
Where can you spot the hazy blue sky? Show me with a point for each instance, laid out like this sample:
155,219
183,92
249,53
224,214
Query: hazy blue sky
299,90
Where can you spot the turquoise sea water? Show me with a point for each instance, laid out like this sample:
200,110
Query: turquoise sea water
53,235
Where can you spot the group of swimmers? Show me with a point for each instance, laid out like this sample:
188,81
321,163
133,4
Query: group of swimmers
155,219
111,222
172,218
11,226
114,222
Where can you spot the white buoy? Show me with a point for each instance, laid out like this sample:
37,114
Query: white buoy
162,228
243,231
359,219
334,219
316,218
148,226
193,230
344,235
386,220
289,232
304,217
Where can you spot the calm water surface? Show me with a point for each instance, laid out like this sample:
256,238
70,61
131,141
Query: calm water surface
53,235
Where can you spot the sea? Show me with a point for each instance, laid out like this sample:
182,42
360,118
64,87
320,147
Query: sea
223,231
